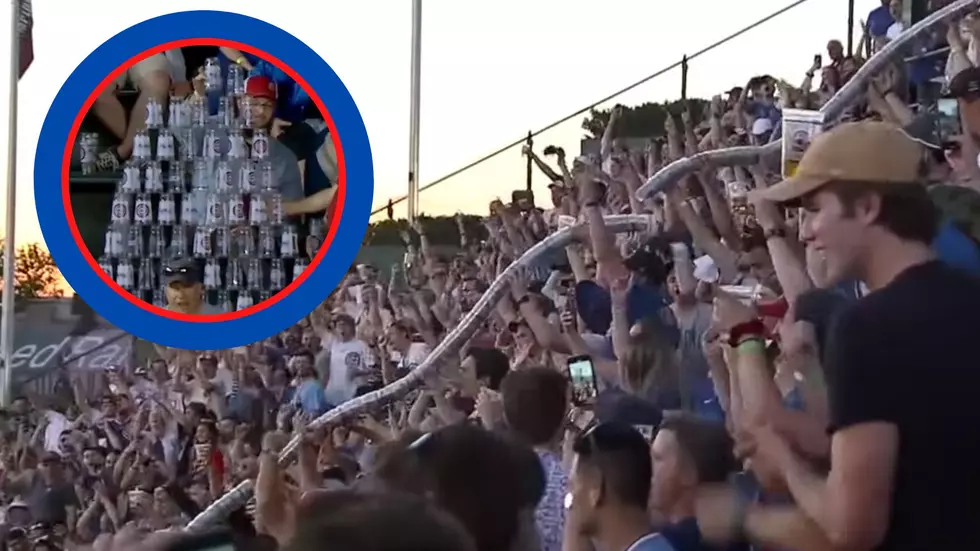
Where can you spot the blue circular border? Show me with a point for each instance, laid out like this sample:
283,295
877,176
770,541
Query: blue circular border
72,98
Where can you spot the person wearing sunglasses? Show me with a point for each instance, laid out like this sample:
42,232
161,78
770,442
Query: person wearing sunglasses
185,289
609,489
185,294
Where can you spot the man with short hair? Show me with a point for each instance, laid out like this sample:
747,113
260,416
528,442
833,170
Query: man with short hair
535,405
185,288
687,452
608,492
901,362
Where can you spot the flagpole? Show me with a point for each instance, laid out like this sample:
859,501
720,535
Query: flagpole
414,113
9,246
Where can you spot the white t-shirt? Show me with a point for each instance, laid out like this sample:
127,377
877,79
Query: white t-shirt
347,359
222,382
894,31
57,424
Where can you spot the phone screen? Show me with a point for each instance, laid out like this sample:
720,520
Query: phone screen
581,372
949,122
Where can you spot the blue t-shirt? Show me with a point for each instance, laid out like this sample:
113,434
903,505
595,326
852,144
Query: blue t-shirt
311,398
956,249
879,20
294,103
643,302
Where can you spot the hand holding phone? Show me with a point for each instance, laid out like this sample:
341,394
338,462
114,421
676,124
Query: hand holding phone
581,373
949,124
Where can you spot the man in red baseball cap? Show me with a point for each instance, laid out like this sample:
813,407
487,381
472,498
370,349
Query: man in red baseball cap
263,95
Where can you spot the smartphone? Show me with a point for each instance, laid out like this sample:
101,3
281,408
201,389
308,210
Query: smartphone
948,121
581,373
818,60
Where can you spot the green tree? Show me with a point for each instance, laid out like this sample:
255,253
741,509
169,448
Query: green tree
441,230
645,120
35,273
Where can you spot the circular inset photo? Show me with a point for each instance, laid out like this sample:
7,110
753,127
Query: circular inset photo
203,180
221,169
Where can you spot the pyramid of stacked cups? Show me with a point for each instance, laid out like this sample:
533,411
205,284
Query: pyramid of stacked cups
200,184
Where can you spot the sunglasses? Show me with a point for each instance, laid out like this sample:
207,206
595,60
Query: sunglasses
174,271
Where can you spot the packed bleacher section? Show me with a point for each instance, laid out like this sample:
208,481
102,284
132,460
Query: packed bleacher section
775,364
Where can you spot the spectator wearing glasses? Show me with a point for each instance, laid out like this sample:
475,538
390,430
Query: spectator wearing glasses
263,94
609,490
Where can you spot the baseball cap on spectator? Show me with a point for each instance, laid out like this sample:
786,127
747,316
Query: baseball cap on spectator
966,85
261,87
644,300
182,271
866,151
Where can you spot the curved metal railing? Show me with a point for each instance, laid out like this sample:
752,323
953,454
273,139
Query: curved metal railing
662,180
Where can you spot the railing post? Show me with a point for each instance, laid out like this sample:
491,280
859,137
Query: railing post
530,163
684,78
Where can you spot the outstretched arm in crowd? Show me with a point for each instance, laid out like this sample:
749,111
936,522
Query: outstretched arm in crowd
784,249
704,238
609,263
721,211
274,511
691,144
609,133
542,166
317,202
237,57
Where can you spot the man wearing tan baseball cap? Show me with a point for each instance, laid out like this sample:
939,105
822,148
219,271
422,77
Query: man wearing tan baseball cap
900,361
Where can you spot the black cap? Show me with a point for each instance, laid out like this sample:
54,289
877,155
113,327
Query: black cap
183,270
966,84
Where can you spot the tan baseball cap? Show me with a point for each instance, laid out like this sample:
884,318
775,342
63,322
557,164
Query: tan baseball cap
866,151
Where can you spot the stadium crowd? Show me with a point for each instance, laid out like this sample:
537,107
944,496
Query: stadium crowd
778,364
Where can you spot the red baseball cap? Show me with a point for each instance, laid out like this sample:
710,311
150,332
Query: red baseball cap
261,87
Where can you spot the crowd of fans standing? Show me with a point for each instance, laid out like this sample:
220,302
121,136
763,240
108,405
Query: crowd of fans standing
778,364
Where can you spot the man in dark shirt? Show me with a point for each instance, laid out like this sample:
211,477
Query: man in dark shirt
901,362
50,497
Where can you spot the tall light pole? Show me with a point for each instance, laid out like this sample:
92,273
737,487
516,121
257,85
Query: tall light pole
414,114
9,244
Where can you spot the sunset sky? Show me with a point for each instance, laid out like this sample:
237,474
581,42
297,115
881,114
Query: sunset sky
491,71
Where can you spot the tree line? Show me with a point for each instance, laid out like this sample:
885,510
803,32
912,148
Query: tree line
35,273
